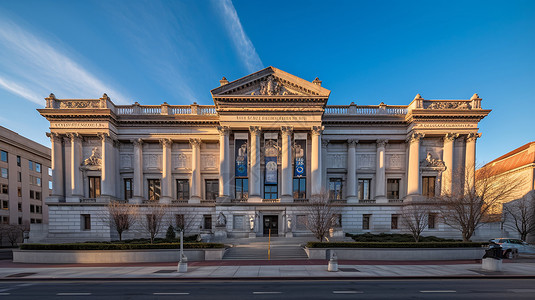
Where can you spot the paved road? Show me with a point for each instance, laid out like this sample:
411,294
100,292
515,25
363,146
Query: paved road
220,290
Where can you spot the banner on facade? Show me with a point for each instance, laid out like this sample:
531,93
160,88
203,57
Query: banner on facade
300,158
241,158
271,169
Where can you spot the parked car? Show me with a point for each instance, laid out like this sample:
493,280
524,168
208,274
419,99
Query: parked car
520,245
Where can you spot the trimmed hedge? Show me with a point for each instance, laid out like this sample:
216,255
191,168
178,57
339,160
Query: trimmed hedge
395,237
109,246
395,245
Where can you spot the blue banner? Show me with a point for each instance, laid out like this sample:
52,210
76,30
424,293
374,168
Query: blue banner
300,157
241,158
271,169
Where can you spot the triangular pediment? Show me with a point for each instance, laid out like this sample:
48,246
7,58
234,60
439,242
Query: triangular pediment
271,82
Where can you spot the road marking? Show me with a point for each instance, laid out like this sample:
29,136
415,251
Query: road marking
170,293
439,291
5,294
266,293
73,294
348,292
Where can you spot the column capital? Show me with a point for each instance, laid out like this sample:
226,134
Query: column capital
472,136
352,142
414,137
317,130
450,137
381,143
287,130
195,143
255,130
74,136
137,142
223,130
105,137
166,142
54,136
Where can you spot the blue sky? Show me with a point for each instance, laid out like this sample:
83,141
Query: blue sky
364,51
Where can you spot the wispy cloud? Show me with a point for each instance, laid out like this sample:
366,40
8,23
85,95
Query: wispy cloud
241,41
32,68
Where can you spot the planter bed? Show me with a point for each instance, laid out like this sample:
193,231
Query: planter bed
397,253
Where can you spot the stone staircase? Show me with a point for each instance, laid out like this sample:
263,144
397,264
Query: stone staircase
258,250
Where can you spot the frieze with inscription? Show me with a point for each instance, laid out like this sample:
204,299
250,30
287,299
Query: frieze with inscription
78,125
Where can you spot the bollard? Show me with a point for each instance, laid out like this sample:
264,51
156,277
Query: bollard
333,263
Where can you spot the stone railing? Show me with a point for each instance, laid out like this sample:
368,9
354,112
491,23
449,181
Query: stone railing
301,200
240,200
88,200
271,200
166,109
367,201
365,110
395,200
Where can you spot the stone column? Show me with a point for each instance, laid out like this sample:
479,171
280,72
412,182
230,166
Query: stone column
352,171
224,162
195,171
76,161
324,147
137,197
315,161
413,174
470,159
380,176
57,167
449,141
255,194
167,175
287,178
108,166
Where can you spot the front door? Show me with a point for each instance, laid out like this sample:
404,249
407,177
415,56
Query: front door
271,222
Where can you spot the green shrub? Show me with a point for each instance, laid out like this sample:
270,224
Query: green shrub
118,246
395,245
170,234
395,237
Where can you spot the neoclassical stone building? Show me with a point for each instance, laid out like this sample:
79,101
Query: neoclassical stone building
256,156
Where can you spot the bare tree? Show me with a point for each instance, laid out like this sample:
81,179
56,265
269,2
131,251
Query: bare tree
521,212
183,222
415,218
121,216
473,197
322,216
154,219
14,233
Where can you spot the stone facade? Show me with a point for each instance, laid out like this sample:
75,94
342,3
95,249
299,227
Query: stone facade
257,156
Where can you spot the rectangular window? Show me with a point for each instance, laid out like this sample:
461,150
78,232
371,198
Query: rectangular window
5,204
182,189
4,188
394,222
154,189
38,181
18,160
49,171
128,189
366,222
94,186
20,206
50,184
364,189
19,177
85,221
37,195
238,222
20,221
428,186
30,165
392,188
19,192
335,189
37,167
211,189
207,222
3,156
4,173
431,221
38,209
38,221
32,221
5,220
300,186
270,191
32,193
32,208
242,188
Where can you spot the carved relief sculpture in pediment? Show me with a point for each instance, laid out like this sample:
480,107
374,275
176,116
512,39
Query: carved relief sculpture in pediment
430,163
271,86
449,105
94,159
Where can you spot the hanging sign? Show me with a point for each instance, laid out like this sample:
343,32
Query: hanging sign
241,158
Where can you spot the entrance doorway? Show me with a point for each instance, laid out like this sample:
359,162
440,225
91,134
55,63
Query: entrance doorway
271,222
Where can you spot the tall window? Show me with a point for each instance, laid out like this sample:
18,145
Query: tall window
182,189
431,221
364,189
366,222
211,188
4,189
394,222
335,189
128,188
85,220
270,191
4,172
3,156
428,186
392,188
154,189
94,186
242,188
207,222
300,186
37,167
30,165
18,160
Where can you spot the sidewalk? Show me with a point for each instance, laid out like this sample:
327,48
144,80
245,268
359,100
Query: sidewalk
297,269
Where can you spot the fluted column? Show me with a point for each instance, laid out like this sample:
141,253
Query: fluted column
108,166
286,182
137,197
413,174
224,162
57,166
76,160
315,161
380,176
195,171
255,194
167,175
352,171
447,179
470,159
323,156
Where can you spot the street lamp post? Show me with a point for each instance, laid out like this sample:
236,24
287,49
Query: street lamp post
183,262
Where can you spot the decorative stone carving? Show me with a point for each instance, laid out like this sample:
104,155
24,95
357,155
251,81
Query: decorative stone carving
94,159
317,130
105,137
336,161
223,130
450,137
221,220
473,136
271,148
352,143
324,143
126,161
74,136
79,104
271,86
195,142
137,142
151,161
54,136
166,142
255,130
208,161
366,161
430,163
394,161
287,130
381,143
181,161
415,136
449,105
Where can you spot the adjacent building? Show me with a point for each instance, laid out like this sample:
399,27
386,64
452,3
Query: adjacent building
251,162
